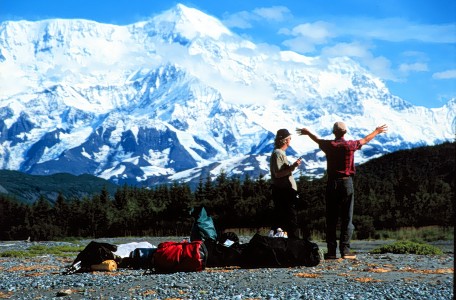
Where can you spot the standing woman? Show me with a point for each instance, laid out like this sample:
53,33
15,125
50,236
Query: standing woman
284,189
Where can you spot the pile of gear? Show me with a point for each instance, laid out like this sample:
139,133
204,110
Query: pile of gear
204,249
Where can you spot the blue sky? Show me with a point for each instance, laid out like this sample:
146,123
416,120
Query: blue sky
410,44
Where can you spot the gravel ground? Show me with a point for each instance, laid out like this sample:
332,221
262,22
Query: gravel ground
381,276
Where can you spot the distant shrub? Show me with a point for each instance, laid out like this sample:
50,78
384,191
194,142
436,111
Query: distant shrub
408,247
14,253
418,234
36,250
55,250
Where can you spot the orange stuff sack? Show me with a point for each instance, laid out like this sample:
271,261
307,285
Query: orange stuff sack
107,265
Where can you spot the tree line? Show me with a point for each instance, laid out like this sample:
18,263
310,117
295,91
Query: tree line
407,188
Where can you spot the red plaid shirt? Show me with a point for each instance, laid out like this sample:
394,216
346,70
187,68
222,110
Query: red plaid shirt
340,156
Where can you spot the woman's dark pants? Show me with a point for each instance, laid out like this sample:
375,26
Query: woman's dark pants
285,212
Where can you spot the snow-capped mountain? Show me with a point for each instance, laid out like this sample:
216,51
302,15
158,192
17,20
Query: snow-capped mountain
178,96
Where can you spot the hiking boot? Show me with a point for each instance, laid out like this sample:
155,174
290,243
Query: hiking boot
349,255
330,256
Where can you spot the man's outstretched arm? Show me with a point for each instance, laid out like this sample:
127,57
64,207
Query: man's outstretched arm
305,131
370,136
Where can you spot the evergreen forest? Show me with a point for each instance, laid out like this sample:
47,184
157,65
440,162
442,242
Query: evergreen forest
407,188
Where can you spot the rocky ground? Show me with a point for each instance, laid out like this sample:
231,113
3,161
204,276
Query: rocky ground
379,276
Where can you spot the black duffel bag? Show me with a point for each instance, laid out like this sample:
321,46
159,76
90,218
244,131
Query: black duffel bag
264,251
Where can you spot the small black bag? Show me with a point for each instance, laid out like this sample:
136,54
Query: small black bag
94,253
220,255
142,258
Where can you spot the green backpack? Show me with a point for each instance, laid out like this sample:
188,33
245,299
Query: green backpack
203,228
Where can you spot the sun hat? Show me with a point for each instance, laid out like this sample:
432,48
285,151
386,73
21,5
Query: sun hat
282,134
339,127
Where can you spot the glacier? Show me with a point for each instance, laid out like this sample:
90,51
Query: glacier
180,97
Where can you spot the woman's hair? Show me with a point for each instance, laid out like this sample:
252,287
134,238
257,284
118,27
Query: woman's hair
279,142
281,137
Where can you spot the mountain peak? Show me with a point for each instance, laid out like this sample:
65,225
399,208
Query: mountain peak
191,23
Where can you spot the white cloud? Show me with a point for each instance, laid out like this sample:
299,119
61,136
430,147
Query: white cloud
307,36
240,19
244,19
418,55
275,13
379,65
354,49
415,67
300,44
12,80
319,32
395,30
449,74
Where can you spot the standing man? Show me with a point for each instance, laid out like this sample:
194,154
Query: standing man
284,189
340,169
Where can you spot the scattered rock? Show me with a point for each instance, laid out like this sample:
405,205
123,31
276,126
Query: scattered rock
66,292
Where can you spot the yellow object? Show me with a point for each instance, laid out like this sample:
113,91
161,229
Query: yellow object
107,265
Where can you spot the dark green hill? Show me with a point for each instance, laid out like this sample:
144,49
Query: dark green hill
419,163
28,188
409,187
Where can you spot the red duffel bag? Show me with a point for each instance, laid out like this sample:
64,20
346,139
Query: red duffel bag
180,257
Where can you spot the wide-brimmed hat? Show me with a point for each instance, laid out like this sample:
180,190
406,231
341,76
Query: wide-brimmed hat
339,127
282,134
